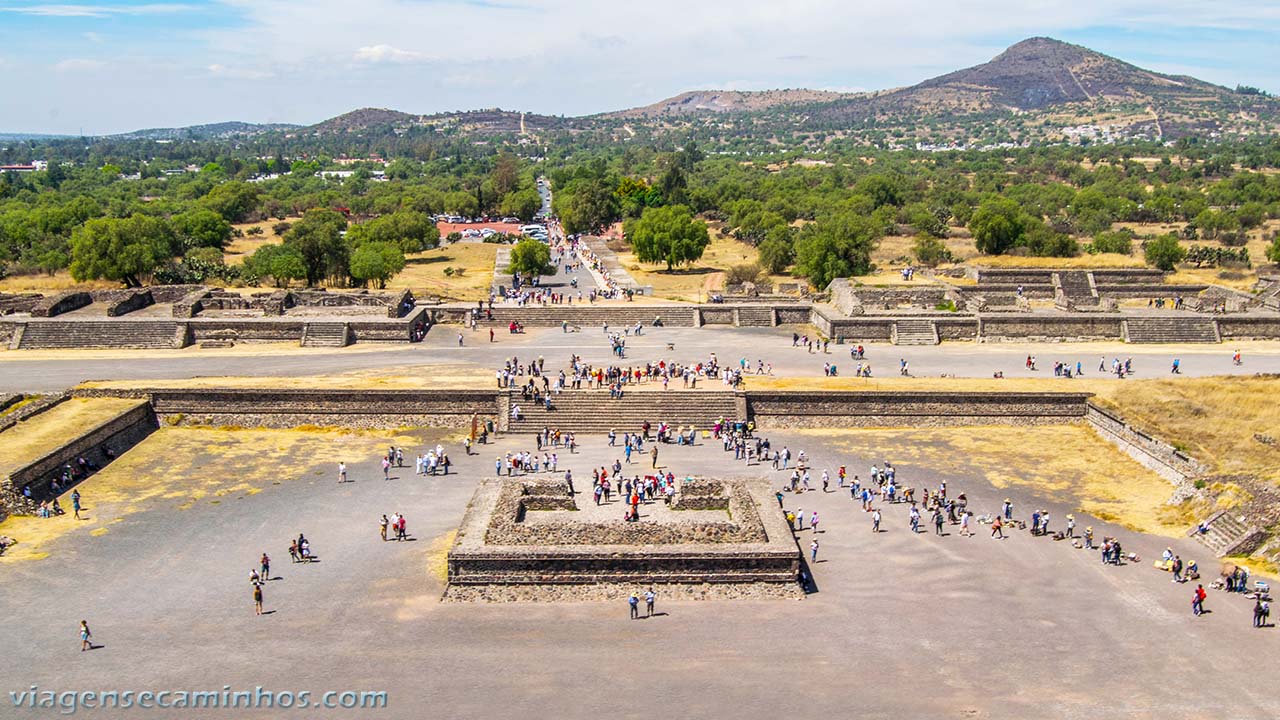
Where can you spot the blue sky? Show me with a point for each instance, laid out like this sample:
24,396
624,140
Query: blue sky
118,66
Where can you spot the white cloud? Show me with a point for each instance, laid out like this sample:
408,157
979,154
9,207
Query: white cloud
97,11
387,53
78,65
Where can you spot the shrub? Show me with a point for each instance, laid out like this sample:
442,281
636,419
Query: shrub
1164,252
1112,241
930,251
748,273
255,230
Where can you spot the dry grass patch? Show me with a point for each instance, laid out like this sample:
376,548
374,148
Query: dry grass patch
60,281
1066,463
29,440
424,271
175,468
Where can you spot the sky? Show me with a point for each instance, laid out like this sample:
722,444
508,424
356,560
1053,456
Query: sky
111,67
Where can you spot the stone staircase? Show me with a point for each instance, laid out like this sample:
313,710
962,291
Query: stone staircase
1077,287
1171,330
914,332
141,334
1227,535
594,411
326,334
592,316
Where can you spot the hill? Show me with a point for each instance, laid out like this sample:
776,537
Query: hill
724,101
205,132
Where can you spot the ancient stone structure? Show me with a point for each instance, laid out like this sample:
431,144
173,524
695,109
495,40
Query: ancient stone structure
502,554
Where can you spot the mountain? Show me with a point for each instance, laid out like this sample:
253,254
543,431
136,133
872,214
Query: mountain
1041,72
724,101
205,132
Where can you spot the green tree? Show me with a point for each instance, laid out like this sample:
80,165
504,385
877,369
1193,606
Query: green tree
318,236
930,251
505,176
835,246
123,249
669,234
777,250
1273,250
588,206
412,231
997,226
281,263
530,258
201,228
1164,252
236,201
376,262
523,204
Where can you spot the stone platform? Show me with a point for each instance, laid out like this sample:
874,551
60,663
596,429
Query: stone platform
734,542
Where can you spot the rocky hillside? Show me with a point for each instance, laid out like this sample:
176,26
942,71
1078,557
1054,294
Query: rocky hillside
723,101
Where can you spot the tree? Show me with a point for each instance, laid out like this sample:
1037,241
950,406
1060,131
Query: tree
523,204
235,201
505,176
1273,250
997,226
1164,252
318,236
667,234
201,228
124,249
530,258
412,231
777,251
930,251
376,261
588,206
281,263
835,246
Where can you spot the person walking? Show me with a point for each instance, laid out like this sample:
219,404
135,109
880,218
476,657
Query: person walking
799,518
649,597
342,472
997,529
813,522
257,598
1197,600
266,567
382,527
654,454
75,503
1260,612
86,637
875,520
634,602
964,523
813,550
938,520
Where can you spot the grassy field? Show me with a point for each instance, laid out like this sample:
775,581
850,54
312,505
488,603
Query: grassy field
1067,463
29,440
424,272
242,247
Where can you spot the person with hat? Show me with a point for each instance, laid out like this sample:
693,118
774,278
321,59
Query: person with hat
1088,538
1071,526
1008,509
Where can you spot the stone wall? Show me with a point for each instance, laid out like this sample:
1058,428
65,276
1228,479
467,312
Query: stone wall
127,301
119,434
20,303
1246,327
378,409
61,303
31,409
1157,455
790,409
1051,327
190,304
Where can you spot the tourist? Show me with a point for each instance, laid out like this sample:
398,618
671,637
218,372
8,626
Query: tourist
634,603
1008,509
75,503
382,527
1197,601
649,597
654,454
293,551
1177,367
997,529
964,523
799,518
1176,567
266,567
813,521
875,521
257,598
813,550
86,637
1261,610
342,472
938,520
400,528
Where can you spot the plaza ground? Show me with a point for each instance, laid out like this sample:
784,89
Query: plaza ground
899,626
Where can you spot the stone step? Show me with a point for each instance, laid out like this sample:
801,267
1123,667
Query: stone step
1225,531
914,332
57,334
1171,330
326,334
